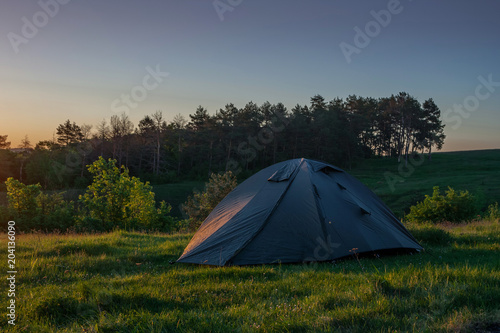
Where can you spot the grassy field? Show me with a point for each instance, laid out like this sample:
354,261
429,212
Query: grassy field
123,282
476,171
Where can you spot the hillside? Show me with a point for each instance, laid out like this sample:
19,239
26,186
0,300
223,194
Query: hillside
476,171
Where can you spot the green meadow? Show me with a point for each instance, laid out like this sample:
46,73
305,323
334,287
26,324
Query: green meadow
476,171
123,281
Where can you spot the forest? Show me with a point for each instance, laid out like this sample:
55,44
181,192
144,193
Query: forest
243,140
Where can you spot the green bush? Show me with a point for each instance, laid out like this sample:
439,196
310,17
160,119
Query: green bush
199,206
34,210
22,198
121,201
5,216
53,213
493,213
451,207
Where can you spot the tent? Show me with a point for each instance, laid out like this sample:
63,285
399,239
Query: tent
296,211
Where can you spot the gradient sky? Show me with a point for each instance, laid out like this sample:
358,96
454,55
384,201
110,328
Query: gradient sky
91,52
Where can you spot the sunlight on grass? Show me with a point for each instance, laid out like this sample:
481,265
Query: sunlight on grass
123,282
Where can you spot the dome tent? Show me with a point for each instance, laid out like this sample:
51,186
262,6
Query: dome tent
294,211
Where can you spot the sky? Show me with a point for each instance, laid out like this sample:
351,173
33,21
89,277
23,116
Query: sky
79,60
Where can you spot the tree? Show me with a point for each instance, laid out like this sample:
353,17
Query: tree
7,164
45,145
202,127
4,144
22,198
86,131
69,133
102,134
405,114
300,132
117,200
227,118
146,133
25,143
178,125
39,168
432,130
121,128
22,156
160,126
151,129
201,204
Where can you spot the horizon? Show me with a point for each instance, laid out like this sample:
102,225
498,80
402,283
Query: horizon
68,60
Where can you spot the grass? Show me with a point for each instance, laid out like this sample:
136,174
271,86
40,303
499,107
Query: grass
123,282
476,171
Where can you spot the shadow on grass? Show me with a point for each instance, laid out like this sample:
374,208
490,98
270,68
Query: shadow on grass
64,310
431,235
88,249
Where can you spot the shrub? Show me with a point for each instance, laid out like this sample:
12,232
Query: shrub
121,201
34,210
53,213
199,206
452,207
22,198
493,213
5,216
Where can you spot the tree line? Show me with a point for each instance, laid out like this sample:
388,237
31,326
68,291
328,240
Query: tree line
243,140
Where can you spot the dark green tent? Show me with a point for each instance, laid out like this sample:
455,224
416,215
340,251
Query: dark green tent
295,211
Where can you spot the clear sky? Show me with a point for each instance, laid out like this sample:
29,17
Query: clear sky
74,60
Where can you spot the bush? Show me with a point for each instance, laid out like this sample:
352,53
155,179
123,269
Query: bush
22,198
199,206
5,216
452,207
121,201
53,213
493,213
34,210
